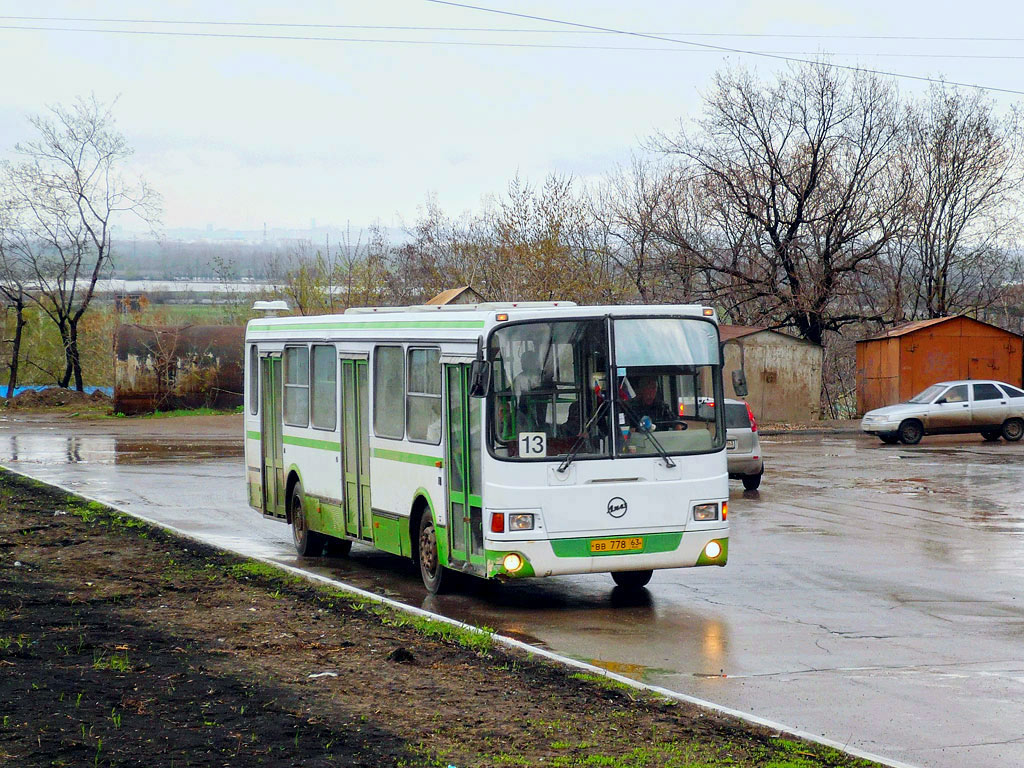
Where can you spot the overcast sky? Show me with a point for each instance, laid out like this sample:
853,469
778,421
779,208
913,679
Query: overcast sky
238,133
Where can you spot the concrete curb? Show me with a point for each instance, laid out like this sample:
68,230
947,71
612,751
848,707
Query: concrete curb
769,432
501,639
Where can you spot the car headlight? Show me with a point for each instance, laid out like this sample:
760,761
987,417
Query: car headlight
704,512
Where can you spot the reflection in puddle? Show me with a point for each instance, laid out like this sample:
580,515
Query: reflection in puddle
634,671
103,449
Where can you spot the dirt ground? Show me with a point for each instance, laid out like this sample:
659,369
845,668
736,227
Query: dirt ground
122,645
59,398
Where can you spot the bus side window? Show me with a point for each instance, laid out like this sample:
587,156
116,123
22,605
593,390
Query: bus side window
389,392
324,405
254,380
423,398
296,386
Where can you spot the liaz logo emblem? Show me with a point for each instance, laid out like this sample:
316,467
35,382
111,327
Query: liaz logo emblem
617,506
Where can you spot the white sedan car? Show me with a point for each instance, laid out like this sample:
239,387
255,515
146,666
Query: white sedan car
992,408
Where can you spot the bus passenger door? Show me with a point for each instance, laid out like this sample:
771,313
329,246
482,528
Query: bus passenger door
271,445
462,458
355,448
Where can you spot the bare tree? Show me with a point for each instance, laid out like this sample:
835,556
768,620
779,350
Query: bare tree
545,246
633,208
964,213
69,191
352,273
12,286
798,191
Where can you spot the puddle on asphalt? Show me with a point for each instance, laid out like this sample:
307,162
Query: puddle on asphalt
633,671
101,449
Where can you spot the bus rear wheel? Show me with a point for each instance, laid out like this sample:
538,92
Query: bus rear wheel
307,543
435,577
632,579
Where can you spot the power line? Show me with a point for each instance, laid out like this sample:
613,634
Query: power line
492,44
726,49
519,30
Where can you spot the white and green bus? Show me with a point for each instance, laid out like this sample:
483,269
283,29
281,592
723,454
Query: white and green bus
500,440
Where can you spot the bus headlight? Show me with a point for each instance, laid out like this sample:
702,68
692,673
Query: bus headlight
713,550
704,512
520,522
512,562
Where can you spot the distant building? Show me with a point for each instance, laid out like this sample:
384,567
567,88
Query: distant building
895,365
783,372
461,295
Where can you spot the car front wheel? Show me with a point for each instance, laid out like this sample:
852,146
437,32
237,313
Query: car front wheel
911,432
1013,429
889,439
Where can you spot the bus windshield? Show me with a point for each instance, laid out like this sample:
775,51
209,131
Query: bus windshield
551,396
666,370
549,389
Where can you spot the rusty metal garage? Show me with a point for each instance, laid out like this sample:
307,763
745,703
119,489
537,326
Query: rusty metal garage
161,368
894,366
783,372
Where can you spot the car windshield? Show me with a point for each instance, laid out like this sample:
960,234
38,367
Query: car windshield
928,395
551,398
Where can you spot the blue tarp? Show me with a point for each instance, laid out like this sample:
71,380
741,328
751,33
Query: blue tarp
109,391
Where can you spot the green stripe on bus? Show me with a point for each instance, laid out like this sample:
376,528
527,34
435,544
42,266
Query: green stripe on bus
307,442
368,324
653,542
405,458
252,434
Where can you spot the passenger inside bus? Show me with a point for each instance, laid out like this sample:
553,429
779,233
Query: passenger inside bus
531,387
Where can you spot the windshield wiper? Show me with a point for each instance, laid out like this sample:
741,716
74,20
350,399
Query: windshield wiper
582,436
650,435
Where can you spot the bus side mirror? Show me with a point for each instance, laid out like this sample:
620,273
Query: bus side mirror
739,383
479,378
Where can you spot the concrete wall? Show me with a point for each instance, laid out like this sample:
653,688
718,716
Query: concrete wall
783,376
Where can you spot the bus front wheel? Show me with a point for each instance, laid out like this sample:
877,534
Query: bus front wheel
434,576
632,579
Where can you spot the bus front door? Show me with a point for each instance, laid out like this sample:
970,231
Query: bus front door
355,448
462,458
271,445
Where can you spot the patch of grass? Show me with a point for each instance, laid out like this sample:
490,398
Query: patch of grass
477,639
180,412
602,681
88,511
262,571
116,662
16,645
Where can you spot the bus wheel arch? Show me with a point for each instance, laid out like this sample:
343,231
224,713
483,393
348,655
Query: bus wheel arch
289,487
420,507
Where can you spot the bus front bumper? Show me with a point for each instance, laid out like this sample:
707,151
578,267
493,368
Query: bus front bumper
554,557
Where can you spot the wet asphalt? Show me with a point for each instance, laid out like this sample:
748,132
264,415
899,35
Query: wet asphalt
874,594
